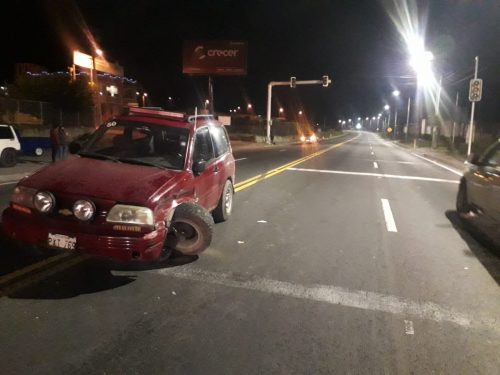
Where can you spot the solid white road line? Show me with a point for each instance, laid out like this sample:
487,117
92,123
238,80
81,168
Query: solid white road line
375,165
9,183
439,165
389,219
376,175
334,295
239,159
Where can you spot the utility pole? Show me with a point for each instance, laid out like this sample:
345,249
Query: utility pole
454,121
408,119
436,111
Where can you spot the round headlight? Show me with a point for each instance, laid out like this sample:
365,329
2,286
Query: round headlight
84,210
44,201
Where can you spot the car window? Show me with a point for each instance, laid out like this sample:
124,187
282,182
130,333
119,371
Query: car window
138,142
220,140
493,158
203,149
5,133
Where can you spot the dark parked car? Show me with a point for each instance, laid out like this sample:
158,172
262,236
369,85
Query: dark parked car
144,184
478,197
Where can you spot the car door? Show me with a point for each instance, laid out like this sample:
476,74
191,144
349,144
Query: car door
491,172
221,149
206,181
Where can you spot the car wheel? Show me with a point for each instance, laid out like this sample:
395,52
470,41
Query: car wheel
225,205
463,206
191,229
8,158
38,151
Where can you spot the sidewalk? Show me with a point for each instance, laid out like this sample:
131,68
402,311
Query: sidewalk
440,155
25,166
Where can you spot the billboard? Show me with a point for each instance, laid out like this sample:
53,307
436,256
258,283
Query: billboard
214,58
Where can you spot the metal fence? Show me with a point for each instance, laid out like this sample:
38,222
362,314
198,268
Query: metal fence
36,117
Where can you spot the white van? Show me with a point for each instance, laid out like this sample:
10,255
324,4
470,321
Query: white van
9,146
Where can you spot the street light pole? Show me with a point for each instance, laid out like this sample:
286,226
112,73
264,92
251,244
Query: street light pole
408,120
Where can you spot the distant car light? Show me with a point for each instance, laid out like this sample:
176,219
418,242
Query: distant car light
84,210
303,138
358,126
313,138
44,201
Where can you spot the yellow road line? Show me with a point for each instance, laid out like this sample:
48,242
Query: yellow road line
273,172
33,267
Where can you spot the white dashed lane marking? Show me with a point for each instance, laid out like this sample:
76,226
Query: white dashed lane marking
389,218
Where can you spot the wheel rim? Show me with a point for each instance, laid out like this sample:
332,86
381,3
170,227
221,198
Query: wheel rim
185,233
228,199
38,151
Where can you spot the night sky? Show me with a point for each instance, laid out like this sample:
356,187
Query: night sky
354,42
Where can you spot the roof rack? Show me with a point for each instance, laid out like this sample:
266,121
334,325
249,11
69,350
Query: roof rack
155,111
204,117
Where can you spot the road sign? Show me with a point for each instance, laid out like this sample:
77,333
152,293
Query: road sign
475,90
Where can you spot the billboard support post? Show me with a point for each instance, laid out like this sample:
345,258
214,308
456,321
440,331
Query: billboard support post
211,94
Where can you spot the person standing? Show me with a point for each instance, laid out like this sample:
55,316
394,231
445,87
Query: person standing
54,142
63,142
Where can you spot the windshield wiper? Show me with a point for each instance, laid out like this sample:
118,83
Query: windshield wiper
94,155
142,162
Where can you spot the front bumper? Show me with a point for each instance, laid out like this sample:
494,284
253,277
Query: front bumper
34,229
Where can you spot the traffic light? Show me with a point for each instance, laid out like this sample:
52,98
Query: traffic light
293,81
326,81
475,90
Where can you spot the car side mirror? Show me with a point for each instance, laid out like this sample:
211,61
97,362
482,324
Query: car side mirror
473,159
74,147
199,166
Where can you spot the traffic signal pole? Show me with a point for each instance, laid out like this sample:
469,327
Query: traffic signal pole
292,83
471,125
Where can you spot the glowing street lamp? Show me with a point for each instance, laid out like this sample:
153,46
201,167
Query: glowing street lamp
281,111
387,107
300,113
421,61
99,52
396,93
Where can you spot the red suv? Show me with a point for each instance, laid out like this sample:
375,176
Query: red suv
142,185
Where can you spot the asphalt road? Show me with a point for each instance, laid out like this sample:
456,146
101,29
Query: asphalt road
352,261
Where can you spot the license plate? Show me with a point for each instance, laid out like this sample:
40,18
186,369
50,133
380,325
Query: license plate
61,241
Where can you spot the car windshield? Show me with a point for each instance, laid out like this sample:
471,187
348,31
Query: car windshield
139,143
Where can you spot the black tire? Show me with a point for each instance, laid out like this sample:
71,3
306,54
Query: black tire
8,158
462,205
225,205
191,230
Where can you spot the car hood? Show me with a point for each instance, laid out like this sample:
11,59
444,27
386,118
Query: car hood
119,182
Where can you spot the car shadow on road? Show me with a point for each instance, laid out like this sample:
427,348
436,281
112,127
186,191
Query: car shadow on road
480,246
87,277
84,278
